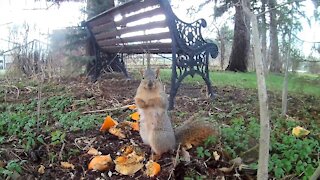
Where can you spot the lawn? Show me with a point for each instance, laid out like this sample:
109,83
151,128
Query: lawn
298,83
37,133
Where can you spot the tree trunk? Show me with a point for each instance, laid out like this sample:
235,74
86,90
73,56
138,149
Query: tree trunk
274,46
263,32
222,48
285,80
264,139
241,42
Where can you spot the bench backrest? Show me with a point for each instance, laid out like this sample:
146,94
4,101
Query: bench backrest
138,26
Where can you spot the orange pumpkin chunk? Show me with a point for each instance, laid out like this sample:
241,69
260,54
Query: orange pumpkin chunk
132,107
108,123
100,163
135,116
152,168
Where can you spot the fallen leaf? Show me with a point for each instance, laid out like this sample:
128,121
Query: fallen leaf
226,170
185,155
300,131
187,146
135,116
2,164
132,107
152,168
237,161
94,152
100,163
41,169
108,123
117,132
67,165
216,155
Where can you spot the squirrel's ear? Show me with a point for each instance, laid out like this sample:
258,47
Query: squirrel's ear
141,72
157,72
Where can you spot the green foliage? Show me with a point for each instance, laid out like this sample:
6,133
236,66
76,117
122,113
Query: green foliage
237,137
13,166
202,152
288,154
21,120
57,137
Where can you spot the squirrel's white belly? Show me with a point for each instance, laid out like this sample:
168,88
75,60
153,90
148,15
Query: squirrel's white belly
148,119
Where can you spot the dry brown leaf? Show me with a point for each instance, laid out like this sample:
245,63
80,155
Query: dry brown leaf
108,123
135,116
117,132
67,165
94,152
187,146
2,164
100,163
216,155
152,168
41,169
185,155
226,170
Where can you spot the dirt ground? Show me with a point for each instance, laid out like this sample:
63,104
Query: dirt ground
115,91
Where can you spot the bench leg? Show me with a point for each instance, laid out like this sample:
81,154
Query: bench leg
176,78
175,84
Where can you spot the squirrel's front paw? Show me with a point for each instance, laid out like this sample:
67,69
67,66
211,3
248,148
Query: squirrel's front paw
140,103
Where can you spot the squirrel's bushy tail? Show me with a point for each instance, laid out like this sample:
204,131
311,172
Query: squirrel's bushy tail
195,131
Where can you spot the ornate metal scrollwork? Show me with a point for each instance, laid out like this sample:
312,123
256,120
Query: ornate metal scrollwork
191,55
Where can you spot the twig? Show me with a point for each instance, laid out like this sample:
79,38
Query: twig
286,3
15,87
175,162
106,110
61,150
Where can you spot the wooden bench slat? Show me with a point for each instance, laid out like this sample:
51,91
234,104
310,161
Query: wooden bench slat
137,47
151,25
123,22
126,8
138,38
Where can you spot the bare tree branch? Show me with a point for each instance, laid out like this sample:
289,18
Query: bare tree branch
283,4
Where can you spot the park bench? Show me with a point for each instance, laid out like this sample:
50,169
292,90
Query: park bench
150,26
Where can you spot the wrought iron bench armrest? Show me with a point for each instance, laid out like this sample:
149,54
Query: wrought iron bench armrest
190,39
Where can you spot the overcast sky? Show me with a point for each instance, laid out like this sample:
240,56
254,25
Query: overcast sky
43,21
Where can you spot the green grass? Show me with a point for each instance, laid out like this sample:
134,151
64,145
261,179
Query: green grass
306,84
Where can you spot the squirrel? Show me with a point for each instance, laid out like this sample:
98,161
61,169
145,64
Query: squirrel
155,125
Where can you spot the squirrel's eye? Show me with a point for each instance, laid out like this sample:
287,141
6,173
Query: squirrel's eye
142,77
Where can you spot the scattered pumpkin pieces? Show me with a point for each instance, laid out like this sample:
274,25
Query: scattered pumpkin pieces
135,116
129,164
300,132
100,163
94,152
108,123
117,132
67,165
41,169
132,107
152,168
133,125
